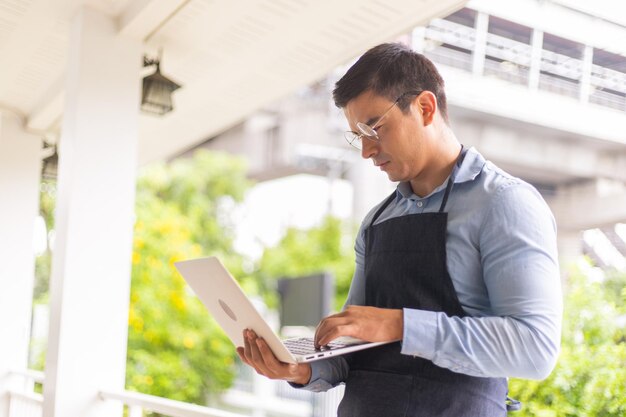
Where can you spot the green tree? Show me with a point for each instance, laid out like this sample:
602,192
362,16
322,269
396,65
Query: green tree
43,263
175,349
47,199
590,377
326,248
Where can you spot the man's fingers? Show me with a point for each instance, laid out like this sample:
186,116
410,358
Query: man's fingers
332,327
335,332
275,368
255,355
242,355
247,348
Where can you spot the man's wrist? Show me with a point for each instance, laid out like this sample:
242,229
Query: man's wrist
305,377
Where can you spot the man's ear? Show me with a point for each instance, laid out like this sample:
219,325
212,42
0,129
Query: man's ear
426,102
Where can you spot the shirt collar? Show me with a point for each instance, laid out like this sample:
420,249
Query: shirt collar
471,166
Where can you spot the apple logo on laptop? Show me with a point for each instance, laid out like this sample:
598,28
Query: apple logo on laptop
227,310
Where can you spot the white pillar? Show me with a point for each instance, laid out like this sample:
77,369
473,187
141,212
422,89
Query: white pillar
585,79
478,57
535,59
570,247
418,39
91,264
20,168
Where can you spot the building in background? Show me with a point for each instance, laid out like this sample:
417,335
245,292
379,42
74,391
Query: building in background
539,87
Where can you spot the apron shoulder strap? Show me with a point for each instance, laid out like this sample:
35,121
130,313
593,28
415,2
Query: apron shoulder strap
382,208
457,165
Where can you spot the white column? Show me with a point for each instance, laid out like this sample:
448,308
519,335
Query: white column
91,263
585,79
418,39
535,59
20,168
478,58
570,247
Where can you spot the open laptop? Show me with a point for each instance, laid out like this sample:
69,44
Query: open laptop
230,307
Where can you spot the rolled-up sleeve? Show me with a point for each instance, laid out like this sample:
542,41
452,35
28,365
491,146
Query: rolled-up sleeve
326,374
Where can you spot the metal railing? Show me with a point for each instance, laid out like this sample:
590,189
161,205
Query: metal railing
25,402
454,44
137,403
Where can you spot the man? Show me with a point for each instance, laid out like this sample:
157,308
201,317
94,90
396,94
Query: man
459,263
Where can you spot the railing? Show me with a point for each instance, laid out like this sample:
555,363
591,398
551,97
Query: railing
507,70
451,33
137,403
25,402
454,44
600,249
283,400
279,398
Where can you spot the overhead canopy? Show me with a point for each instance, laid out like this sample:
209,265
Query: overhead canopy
231,57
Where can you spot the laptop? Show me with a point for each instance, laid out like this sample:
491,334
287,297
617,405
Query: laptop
234,312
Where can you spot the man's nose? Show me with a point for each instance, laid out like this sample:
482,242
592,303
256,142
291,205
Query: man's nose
369,148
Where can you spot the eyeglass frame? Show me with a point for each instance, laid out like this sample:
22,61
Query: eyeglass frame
356,139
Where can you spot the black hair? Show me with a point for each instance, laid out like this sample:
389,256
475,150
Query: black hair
391,70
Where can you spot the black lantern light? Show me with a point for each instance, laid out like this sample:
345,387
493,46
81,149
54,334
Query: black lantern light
50,164
156,97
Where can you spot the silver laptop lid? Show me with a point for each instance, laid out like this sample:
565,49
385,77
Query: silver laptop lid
231,308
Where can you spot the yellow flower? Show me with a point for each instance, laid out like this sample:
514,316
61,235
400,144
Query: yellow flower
177,300
139,243
188,342
137,324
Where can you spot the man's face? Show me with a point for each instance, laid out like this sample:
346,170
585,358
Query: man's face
401,151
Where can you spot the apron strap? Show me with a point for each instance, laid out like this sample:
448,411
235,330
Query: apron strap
512,404
383,207
457,165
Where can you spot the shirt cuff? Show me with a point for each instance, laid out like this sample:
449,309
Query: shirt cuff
419,333
316,383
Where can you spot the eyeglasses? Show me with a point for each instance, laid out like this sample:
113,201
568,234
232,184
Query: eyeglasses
369,132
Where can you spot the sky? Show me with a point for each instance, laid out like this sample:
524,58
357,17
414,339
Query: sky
300,201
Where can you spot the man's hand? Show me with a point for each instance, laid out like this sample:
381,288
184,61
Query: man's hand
258,355
367,323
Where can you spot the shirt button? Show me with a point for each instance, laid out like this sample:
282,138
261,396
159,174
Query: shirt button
420,204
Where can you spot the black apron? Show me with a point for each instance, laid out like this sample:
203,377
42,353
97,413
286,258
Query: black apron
405,267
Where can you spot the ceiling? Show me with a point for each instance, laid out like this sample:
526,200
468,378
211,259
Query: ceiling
232,57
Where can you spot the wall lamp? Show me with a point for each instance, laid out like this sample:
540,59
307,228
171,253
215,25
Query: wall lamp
156,96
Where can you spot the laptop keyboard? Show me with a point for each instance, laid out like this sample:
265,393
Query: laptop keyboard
304,346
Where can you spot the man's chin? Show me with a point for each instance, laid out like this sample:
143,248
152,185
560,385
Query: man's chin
392,177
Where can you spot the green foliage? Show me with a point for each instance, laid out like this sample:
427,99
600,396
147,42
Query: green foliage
590,377
43,262
327,247
175,349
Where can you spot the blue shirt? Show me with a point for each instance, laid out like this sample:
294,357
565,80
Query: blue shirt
502,258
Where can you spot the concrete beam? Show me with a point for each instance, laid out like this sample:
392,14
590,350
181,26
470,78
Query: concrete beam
541,155
517,105
595,204
49,110
142,18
